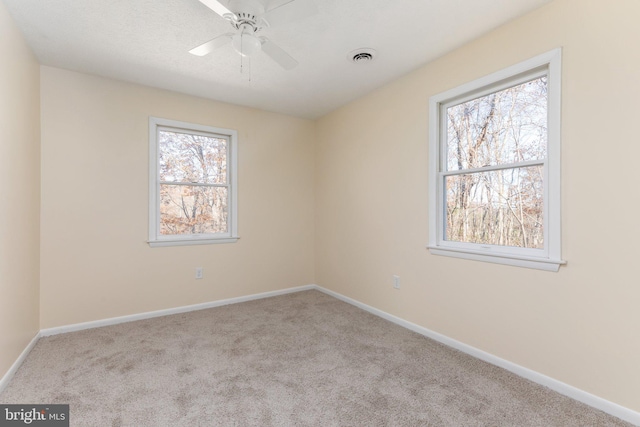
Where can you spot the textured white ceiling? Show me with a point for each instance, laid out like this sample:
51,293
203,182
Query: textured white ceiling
147,42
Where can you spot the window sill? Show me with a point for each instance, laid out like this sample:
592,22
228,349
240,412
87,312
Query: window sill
190,242
546,264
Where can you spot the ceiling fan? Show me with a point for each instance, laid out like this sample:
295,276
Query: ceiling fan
248,17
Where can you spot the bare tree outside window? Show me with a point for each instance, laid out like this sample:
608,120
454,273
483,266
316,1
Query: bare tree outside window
194,187
495,152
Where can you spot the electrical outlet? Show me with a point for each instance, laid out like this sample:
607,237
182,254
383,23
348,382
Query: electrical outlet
198,272
396,282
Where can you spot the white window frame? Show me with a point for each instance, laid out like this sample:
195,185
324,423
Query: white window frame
547,258
155,238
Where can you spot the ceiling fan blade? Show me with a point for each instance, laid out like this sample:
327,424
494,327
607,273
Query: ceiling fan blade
211,45
291,11
276,53
217,7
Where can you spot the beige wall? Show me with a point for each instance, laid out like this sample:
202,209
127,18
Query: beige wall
95,261
579,325
19,192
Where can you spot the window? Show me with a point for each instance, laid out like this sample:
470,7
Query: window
192,184
494,167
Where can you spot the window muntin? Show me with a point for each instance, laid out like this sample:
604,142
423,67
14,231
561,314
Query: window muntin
192,184
494,191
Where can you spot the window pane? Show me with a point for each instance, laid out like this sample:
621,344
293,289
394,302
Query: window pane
192,158
186,209
508,126
503,207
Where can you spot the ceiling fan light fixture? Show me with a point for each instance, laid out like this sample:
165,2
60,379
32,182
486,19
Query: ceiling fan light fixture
246,44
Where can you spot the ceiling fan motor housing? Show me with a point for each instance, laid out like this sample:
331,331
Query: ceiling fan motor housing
247,12
243,19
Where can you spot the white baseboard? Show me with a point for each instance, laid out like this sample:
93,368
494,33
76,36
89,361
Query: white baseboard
158,313
604,405
4,381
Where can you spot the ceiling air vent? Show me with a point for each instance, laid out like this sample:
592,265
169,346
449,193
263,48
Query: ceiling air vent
360,56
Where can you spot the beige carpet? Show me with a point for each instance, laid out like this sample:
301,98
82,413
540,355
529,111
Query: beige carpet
303,359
